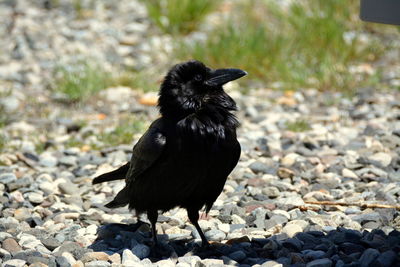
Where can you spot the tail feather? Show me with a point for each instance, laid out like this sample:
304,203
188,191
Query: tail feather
120,200
117,174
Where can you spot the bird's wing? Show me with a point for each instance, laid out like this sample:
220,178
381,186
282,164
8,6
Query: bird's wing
147,150
145,153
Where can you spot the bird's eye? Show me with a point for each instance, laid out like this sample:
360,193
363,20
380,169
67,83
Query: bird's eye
198,78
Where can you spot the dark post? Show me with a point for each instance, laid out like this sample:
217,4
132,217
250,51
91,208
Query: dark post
381,11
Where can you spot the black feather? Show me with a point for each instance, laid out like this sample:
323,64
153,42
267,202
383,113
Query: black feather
185,156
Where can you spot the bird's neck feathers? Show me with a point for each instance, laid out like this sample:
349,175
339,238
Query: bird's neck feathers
213,120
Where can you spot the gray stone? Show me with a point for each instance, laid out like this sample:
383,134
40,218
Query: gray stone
47,160
14,263
369,256
215,235
128,257
261,167
68,161
35,197
367,217
320,263
291,229
6,178
141,251
192,260
97,264
51,243
69,188
237,255
62,261
386,259
4,235
271,263
315,254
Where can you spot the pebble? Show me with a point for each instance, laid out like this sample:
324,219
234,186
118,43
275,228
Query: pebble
128,258
14,263
320,263
47,160
369,256
35,197
291,229
11,245
141,251
237,255
215,235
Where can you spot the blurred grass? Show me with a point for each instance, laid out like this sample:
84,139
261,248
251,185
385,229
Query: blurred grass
179,16
80,80
307,44
298,126
123,132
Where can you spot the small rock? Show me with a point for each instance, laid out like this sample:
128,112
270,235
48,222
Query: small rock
97,264
14,263
51,243
271,263
386,259
237,255
128,258
69,257
215,235
260,167
192,260
141,251
291,229
68,161
35,197
368,256
69,188
289,159
349,173
213,262
11,245
47,160
6,178
93,256
4,235
320,263
285,173
383,158
115,258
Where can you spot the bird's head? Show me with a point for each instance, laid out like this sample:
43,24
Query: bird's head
191,85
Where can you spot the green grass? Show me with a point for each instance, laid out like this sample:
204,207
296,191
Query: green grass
301,46
136,80
298,126
78,81
81,80
179,16
3,142
124,132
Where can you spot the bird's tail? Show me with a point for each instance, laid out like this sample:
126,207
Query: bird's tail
117,174
120,200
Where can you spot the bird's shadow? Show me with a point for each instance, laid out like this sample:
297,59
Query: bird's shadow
343,244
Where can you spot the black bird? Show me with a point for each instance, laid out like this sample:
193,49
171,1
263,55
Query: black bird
185,156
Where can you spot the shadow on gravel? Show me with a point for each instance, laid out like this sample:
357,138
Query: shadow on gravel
339,247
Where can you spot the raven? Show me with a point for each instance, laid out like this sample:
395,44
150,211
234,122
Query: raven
185,156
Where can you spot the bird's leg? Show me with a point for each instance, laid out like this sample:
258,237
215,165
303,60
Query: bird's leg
194,217
152,215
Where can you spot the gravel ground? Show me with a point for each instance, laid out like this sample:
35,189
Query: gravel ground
297,148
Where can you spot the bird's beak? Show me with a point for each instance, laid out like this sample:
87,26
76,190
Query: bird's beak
222,76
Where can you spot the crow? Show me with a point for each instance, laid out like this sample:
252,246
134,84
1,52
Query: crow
185,156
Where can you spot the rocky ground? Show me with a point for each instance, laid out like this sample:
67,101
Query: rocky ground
298,149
